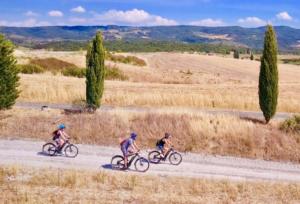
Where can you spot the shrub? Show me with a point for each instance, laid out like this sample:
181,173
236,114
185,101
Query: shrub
52,64
30,69
291,125
126,59
74,72
114,73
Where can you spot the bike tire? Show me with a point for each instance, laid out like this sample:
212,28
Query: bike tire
117,162
175,158
49,148
142,164
71,151
154,157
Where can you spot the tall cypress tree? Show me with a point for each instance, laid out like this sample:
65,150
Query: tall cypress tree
9,80
95,71
268,77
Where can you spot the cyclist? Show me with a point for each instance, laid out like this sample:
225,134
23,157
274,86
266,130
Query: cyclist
60,136
164,144
128,146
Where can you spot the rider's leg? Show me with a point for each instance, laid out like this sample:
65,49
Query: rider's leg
125,154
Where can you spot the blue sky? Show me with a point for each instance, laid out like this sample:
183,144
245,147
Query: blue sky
150,12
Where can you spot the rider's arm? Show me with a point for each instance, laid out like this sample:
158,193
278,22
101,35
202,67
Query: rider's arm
64,135
136,148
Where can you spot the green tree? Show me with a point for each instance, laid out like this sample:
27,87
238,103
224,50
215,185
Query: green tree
268,76
236,54
252,56
95,71
9,80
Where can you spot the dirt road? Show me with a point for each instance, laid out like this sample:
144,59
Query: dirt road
28,153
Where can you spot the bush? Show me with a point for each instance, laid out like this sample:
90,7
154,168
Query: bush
30,69
126,59
74,72
52,64
291,125
114,73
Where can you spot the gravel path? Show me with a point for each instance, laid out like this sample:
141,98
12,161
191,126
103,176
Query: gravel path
28,153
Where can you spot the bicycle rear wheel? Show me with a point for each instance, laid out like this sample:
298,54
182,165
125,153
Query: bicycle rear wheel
142,164
154,157
49,148
117,162
71,151
175,158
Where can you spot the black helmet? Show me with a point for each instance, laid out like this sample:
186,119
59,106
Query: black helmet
167,135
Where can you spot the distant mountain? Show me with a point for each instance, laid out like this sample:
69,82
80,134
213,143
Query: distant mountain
288,38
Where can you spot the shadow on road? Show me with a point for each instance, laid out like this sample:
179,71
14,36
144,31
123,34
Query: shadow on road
107,166
43,154
254,120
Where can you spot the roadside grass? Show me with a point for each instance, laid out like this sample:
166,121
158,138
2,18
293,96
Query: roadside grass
291,125
199,133
54,186
60,89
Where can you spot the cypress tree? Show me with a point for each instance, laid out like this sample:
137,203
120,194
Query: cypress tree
95,71
268,77
236,54
9,80
251,56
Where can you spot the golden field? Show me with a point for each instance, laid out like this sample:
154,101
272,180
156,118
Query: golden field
28,185
169,79
200,133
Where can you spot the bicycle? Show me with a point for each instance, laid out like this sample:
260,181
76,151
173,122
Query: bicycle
172,155
141,164
70,150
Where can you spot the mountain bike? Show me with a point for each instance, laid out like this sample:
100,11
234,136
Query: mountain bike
172,155
141,164
70,150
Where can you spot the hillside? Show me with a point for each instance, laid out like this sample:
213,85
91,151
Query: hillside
288,38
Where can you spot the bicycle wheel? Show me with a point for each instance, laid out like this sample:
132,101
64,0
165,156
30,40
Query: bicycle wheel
71,151
141,164
154,157
117,162
49,148
175,158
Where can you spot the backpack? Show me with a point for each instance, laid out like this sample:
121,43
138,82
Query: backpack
160,142
55,135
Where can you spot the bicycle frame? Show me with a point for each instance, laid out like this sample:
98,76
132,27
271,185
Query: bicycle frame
132,158
168,152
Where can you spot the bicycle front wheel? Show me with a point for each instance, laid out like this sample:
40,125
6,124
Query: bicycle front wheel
175,158
141,164
71,151
117,162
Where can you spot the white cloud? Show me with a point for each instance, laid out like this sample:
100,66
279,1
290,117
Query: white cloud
78,9
252,21
284,16
31,14
208,22
55,13
31,22
131,17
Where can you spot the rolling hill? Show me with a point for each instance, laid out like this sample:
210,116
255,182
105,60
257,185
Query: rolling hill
288,38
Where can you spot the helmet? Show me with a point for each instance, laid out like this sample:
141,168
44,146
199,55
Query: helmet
167,135
133,135
61,126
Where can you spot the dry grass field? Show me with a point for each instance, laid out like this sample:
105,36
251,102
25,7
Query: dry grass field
169,79
200,133
27,185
